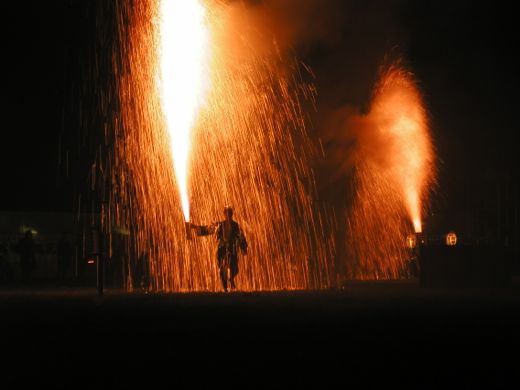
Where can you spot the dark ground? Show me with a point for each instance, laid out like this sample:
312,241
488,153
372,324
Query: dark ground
368,333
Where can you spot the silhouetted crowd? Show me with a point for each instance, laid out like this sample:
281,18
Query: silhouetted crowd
27,249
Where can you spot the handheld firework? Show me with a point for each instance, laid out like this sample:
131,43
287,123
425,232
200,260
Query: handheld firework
183,66
187,225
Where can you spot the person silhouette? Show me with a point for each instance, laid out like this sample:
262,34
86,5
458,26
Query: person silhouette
26,247
229,236
141,274
6,271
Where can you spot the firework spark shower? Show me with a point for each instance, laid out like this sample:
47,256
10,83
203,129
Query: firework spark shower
249,148
394,170
226,122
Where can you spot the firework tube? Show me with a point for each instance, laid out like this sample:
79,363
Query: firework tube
187,225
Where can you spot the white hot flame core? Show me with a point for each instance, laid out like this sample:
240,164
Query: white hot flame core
183,65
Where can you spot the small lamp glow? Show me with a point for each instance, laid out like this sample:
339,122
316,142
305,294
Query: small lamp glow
411,241
451,239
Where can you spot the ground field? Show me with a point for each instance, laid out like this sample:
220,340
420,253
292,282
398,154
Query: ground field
364,332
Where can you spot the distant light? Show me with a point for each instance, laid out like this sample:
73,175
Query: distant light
451,239
411,241
24,228
121,230
91,261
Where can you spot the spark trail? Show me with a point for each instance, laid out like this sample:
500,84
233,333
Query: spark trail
240,137
249,148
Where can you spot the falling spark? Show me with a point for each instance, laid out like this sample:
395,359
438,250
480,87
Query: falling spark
183,56
249,148
244,142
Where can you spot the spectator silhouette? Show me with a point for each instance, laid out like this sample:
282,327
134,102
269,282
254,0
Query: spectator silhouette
141,274
145,276
64,257
26,247
6,271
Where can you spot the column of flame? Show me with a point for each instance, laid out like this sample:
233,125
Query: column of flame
394,174
183,69
401,119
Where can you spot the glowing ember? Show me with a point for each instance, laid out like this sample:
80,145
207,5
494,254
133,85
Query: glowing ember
183,56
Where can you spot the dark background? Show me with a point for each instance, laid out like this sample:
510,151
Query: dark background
463,57
462,54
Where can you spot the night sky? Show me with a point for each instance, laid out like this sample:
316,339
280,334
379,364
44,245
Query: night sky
461,52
